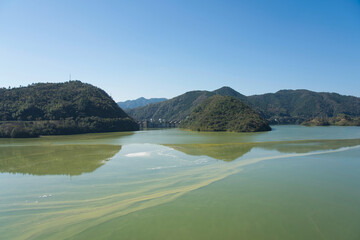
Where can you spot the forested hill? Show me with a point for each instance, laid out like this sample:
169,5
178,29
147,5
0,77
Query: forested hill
55,101
60,108
178,108
224,113
283,107
297,106
129,104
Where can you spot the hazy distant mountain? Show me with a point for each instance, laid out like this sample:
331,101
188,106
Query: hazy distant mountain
284,107
224,113
129,104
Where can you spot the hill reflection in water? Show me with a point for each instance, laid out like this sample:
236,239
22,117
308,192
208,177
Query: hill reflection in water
55,159
232,151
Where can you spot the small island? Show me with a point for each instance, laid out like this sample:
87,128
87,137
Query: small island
60,108
224,113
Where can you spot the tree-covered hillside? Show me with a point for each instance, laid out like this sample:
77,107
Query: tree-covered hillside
55,101
60,108
282,107
297,106
224,113
228,91
339,120
177,108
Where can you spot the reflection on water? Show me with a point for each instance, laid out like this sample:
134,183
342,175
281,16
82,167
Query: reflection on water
232,151
55,159
226,152
305,146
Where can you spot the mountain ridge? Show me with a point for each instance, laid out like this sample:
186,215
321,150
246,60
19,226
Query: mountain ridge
139,102
285,106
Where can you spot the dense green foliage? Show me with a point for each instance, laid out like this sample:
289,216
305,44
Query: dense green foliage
55,101
224,113
297,106
339,120
228,91
24,129
282,107
129,104
60,108
177,108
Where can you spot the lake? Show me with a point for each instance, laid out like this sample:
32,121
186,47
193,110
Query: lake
294,182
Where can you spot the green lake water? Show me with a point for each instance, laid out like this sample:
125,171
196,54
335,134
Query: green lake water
294,182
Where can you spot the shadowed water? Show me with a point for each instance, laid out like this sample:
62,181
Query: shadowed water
128,186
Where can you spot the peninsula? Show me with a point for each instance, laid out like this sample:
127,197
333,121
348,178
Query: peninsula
60,108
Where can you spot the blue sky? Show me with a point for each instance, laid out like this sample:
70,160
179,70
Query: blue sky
165,48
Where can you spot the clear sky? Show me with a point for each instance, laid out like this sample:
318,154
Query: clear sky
165,48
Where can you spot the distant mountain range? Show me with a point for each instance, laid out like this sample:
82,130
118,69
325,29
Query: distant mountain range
282,107
129,104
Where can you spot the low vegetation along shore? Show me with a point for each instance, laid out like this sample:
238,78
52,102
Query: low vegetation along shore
25,129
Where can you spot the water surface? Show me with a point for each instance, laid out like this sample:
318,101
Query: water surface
294,182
